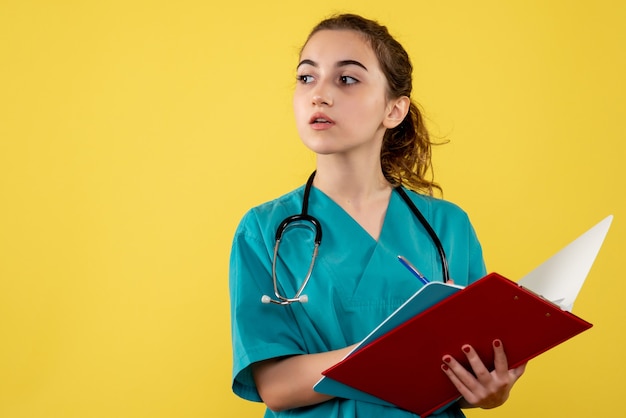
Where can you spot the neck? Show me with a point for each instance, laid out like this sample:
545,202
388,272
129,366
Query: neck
363,192
352,184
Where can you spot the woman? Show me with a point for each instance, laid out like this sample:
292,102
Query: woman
353,110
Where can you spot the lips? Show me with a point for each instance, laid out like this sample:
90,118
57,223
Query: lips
320,119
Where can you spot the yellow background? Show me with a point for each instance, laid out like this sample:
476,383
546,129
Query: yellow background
135,134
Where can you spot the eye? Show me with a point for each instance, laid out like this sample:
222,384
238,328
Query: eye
346,79
305,79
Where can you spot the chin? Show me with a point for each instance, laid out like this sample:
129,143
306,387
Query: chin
317,144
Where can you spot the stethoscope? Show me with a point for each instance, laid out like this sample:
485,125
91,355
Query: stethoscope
317,227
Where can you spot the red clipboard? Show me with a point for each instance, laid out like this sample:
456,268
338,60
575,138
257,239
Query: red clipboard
403,366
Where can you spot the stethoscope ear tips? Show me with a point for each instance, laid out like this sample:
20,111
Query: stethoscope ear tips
303,299
265,299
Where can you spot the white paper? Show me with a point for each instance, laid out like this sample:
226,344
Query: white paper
560,278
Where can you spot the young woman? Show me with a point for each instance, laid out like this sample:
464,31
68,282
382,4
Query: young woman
353,109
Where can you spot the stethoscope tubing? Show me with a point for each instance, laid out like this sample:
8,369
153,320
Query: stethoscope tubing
430,230
305,217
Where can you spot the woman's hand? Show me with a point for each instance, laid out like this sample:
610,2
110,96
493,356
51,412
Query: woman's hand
482,389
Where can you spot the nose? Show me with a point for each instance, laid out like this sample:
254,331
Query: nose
319,100
322,96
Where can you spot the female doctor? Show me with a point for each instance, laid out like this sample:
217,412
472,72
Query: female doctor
295,314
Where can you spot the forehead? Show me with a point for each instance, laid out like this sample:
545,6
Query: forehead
336,45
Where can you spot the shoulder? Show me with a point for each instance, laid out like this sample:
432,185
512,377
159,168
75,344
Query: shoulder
271,213
436,207
288,202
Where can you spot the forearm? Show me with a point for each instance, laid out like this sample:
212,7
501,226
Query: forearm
288,382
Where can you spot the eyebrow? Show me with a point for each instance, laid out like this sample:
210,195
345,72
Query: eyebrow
342,63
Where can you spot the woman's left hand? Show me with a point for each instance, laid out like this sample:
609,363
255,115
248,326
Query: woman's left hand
482,389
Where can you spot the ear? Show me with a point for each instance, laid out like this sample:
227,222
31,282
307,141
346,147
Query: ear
397,110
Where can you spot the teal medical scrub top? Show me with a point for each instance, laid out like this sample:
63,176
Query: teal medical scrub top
356,283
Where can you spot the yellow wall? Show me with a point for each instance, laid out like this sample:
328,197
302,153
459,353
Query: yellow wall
134,134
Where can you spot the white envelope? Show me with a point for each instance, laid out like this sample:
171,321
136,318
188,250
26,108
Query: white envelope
560,278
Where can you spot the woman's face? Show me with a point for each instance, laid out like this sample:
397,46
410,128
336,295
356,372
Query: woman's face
340,100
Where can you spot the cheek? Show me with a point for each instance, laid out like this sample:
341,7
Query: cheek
301,113
366,111
298,110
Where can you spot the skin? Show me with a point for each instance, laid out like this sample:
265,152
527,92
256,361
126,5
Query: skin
339,78
342,111
483,389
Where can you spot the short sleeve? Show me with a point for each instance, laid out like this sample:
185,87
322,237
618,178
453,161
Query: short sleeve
476,262
259,331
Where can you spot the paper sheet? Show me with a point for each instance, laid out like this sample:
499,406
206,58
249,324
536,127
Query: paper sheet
560,278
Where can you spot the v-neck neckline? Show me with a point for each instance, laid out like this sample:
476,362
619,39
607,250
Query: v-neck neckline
357,223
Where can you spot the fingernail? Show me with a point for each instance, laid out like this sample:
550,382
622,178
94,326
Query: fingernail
447,359
496,343
466,349
444,367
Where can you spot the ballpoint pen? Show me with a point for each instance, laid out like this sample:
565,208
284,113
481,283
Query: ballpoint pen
406,263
